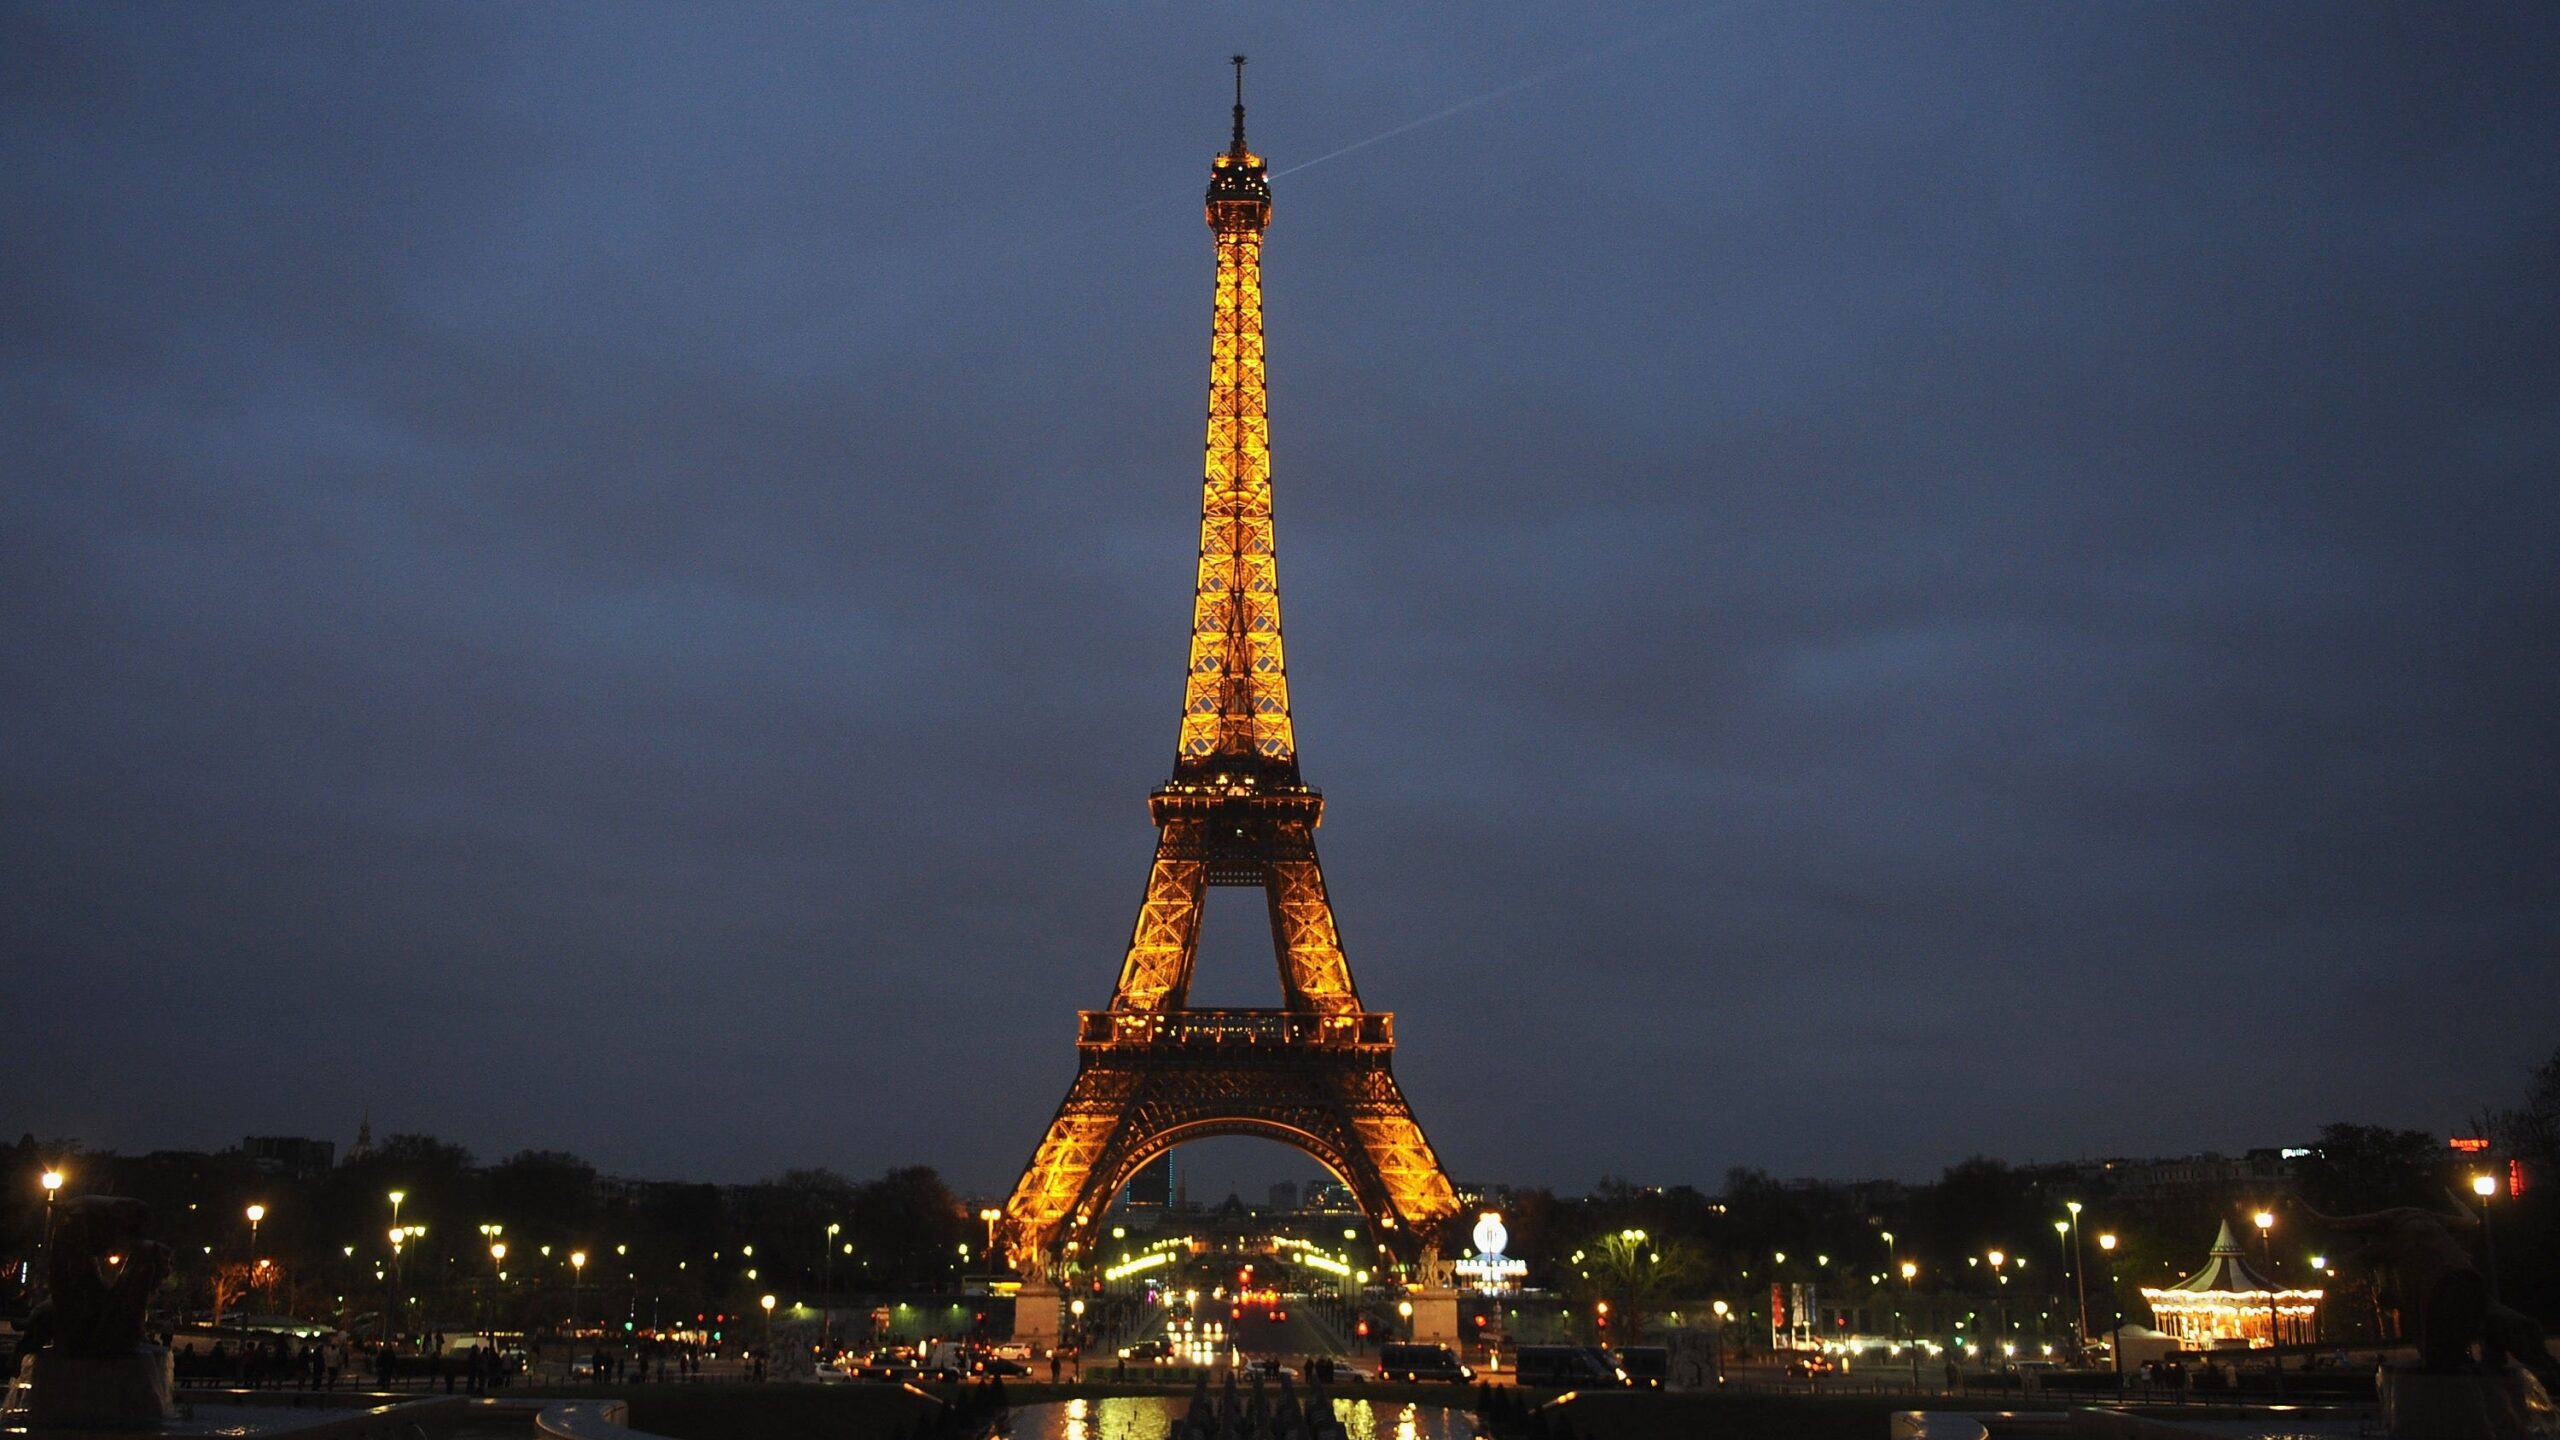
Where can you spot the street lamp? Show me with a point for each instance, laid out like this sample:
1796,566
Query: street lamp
1999,1258
2079,1269
991,1215
2265,1220
2062,1246
397,1234
2115,1345
1075,1307
767,1303
827,1288
1911,1332
256,1213
2486,1186
51,1180
1404,1308
577,1273
497,1257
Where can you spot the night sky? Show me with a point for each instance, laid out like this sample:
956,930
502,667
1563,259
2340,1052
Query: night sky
1865,584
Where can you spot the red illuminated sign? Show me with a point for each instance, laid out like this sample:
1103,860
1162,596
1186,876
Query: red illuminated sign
2469,1144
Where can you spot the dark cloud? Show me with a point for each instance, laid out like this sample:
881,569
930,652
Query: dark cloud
1863,585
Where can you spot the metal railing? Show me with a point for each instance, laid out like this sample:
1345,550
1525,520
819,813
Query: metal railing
1222,1029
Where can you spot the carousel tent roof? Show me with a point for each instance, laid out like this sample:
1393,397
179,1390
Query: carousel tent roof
2224,1271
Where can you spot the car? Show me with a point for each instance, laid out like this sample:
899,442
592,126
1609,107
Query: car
1422,1362
886,1365
998,1365
1149,1350
1809,1364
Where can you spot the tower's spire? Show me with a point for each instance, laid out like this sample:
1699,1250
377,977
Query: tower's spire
1238,147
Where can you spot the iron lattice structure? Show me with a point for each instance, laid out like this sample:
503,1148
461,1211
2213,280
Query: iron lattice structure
1153,1073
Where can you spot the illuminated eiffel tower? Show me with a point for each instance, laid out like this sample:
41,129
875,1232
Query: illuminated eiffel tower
1152,1072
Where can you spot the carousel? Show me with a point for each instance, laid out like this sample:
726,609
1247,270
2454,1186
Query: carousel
2229,1304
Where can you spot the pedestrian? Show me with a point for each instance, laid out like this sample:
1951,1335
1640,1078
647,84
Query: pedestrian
1053,1367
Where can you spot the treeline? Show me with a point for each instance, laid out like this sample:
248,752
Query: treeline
663,1249
1850,1241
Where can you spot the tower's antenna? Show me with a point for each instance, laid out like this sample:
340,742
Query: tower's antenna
1239,143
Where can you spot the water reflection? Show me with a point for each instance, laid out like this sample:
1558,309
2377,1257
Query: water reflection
1152,1417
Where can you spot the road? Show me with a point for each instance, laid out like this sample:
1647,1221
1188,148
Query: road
1290,1339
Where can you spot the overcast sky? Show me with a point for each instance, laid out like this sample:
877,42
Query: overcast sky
1864,583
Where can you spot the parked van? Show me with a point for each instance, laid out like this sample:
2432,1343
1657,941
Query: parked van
1421,1362
1645,1366
1564,1365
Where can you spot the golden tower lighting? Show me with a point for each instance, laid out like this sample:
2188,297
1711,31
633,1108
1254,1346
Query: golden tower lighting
1153,1072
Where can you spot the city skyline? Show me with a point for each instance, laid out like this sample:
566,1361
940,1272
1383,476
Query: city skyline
1865,588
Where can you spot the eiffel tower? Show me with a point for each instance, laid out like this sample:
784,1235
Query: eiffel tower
1151,1071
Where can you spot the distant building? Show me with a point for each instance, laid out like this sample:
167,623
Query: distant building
1327,1195
1153,1184
2228,1303
290,1154
2186,1181
1284,1196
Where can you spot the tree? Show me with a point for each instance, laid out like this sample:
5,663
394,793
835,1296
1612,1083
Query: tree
238,1278
2531,1131
2355,1168
1635,1275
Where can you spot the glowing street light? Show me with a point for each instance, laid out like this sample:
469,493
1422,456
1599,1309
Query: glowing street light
577,1273
2107,1244
991,1215
256,1213
2486,1187
2079,1269
51,1180
397,1235
2265,1220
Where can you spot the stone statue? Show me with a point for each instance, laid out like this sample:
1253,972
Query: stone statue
103,1274
2422,1271
93,1370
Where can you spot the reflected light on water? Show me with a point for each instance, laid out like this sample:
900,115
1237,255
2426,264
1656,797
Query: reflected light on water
1152,1417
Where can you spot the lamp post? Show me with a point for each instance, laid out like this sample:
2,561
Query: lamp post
256,1213
827,1288
51,1180
2079,1270
1999,1258
991,1215
1404,1308
2485,1186
1722,1312
2115,1344
767,1303
2265,1220
497,1276
577,1273
2062,1247
397,1235
1911,1332
1075,1308
497,1252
